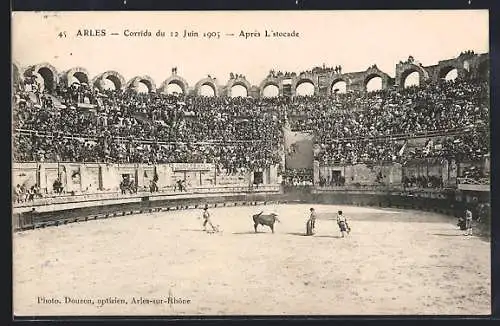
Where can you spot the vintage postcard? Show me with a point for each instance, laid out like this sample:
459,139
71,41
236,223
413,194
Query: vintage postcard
251,163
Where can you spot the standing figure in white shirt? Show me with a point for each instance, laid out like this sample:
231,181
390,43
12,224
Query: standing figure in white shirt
342,223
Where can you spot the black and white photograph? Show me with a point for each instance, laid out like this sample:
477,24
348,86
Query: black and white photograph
243,163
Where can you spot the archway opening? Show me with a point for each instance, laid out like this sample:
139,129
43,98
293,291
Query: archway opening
174,88
79,77
143,87
448,73
374,84
74,80
305,88
48,78
108,84
451,75
339,87
117,84
239,91
207,90
271,91
412,79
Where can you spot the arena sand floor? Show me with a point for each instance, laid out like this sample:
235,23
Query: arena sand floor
394,262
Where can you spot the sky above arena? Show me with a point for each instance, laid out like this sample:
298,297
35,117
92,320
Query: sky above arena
353,39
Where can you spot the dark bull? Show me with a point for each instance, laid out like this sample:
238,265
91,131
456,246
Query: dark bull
265,219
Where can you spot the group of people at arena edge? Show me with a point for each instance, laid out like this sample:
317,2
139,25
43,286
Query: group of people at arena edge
342,223
341,219
465,223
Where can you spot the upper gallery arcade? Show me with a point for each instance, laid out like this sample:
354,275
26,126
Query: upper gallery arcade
320,80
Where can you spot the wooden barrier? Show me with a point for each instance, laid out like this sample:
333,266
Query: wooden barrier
33,220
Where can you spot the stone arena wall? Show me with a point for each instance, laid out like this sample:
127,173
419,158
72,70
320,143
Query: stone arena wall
445,202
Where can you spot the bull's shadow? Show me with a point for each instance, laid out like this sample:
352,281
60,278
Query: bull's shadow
251,232
258,232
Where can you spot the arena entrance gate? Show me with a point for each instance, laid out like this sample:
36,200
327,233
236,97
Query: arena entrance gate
129,182
258,177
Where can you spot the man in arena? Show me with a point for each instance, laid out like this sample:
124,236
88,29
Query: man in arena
468,222
312,217
342,223
206,220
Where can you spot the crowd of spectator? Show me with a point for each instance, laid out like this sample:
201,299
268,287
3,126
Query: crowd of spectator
277,74
470,146
233,75
430,181
127,126
323,69
24,194
434,106
378,122
298,177
473,172
337,180
81,124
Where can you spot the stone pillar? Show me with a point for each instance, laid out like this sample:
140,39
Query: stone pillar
164,172
66,178
453,168
100,179
315,172
42,177
136,174
140,176
445,175
85,180
63,176
317,90
348,174
396,174
273,174
250,176
109,177
265,176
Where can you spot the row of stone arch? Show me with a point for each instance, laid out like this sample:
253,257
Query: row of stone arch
476,66
49,77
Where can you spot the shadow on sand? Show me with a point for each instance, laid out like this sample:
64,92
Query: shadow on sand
329,236
448,235
251,232
297,233
315,236
193,230
482,236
